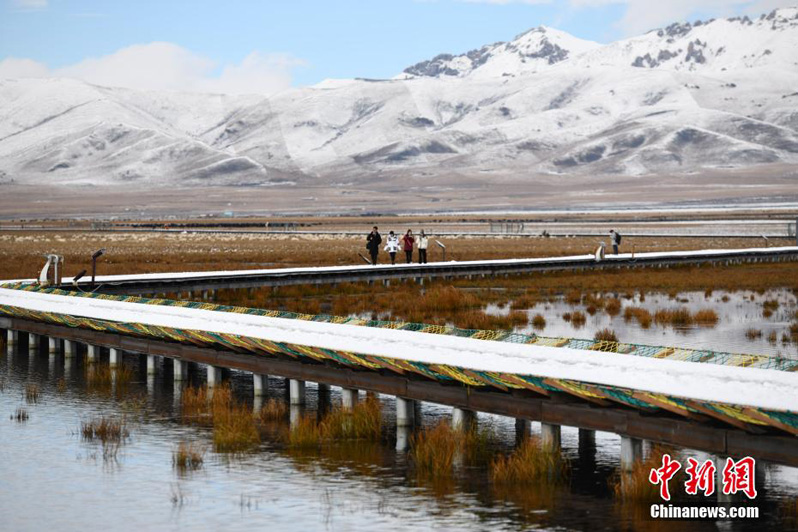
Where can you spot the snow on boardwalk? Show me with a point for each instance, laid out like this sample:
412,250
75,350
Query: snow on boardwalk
753,387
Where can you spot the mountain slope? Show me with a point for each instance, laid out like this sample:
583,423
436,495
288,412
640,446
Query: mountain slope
712,95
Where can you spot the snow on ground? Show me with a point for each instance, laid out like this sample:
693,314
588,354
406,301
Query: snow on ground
769,389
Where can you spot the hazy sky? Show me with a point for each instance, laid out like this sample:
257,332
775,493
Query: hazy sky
265,46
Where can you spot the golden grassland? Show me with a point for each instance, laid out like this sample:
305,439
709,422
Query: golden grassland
128,253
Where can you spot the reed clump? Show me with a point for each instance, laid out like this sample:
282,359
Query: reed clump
641,315
634,486
234,430
679,317
523,302
61,385
188,457
434,450
578,319
363,422
613,306
32,393
20,415
105,429
273,410
753,333
706,317
606,335
102,378
529,464
305,433
538,321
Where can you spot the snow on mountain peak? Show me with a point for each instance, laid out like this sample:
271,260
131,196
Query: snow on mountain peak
529,51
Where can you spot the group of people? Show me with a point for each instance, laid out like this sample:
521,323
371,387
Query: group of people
394,244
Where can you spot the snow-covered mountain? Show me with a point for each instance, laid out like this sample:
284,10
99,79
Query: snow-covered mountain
715,94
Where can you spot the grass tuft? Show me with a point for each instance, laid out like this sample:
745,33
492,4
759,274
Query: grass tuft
20,415
530,464
105,429
32,393
538,321
188,457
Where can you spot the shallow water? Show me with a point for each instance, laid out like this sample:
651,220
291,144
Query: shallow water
737,312
51,478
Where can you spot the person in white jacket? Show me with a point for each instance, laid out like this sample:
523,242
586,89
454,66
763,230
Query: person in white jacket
423,242
392,246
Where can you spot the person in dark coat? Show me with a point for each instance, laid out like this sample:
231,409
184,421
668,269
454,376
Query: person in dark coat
407,245
615,240
373,242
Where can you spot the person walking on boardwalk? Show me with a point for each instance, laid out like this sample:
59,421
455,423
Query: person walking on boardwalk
423,242
407,245
373,242
615,240
392,246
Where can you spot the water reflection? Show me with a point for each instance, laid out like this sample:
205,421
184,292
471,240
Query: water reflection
347,485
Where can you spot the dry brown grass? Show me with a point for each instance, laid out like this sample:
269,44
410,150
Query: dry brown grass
363,423
606,335
530,464
679,317
635,487
706,317
578,319
753,334
105,429
434,450
613,306
538,321
234,429
273,410
188,457
32,393
20,252
640,314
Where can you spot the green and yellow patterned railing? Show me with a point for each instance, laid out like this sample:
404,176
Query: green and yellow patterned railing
736,415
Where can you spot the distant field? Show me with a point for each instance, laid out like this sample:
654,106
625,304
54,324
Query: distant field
21,253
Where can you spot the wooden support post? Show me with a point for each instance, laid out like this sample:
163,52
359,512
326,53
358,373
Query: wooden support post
260,384
348,398
631,452
550,436
297,392
463,419
405,412
115,358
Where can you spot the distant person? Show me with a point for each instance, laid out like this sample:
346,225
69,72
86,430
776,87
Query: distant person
423,242
407,245
392,246
373,242
615,240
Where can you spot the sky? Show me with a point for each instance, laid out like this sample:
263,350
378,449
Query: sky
266,46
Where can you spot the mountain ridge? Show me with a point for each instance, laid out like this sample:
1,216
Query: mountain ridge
681,99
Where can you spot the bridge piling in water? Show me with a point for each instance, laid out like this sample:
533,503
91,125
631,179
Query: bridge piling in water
115,358
70,349
92,353
214,376
151,365
33,343
463,419
296,392
631,452
523,429
260,384
550,436
52,345
405,412
349,398
180,370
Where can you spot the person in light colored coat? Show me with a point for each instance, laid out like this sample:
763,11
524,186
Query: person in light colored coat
423,243
392,246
